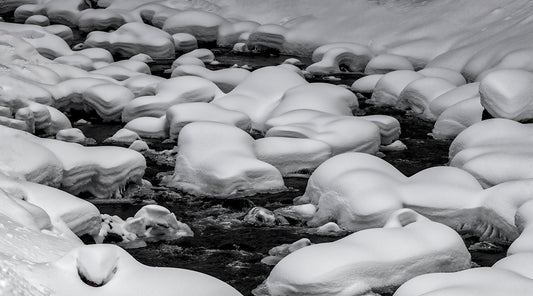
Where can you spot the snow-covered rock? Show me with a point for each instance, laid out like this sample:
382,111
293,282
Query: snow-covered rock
366,84
371,261
335,130
359,191
494,151
219,160
507,94
456,118
385,63
267,37
74,135
341,59
171,92
228,33
184,42
419,94
180,115
449,75
292,156
133,38
454,96
149,127
388,89
201,24
279,252
226,79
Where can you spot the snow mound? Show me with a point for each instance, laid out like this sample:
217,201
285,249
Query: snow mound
229,33
494,151
456,118
225,79
388,89
184,42
102,171
508,94
359,191
366,84
171,92
260,93
215,159
292,156
385,63
454,96
201,24
149,127
419,94
451,76
371,261
524,219
100,20
73,135
267,37
335,130
182,114
113,271
341,59
134,38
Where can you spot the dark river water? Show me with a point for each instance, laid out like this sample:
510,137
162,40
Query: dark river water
224,246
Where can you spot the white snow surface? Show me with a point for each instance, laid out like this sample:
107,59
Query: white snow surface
374,260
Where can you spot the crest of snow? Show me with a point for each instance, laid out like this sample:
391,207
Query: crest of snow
454,96
337,59
219,160
385,63
457,118
371,261
186,89
451,76
388,89
335,130
182,114
226,79
508,94
494,151
201,24
260,93
134,38
419,94
292,156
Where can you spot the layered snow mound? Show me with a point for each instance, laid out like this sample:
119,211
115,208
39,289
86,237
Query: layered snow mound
385,63
226,79
451,76
149,127
229,33
389,127
73,135
134,38
201,24
509,276
39,20
494,151
150,224
180,115
359,191
457,118
260,93
100,20
419,94
366,84
267,37
454,96
114,272
58,11
341,133
508,94
371,261
102,171
215,159
292,156
323,97
171,92
184,42
80,216
388,89
341,59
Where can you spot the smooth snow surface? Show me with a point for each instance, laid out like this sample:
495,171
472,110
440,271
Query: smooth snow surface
374,260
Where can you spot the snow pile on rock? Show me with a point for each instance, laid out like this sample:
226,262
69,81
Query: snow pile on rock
359,191
133,38
330,58
494,151
371,261
219,160
202,25
226,79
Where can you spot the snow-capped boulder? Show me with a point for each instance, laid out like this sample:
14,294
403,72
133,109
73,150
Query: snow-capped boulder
385,63
454,96
361,263
149,127
216,159
267,37
507,94
260,93
341,59
180,115
73,135
228,33
494,151
359,191
184,42
201,24
366,84
388,89
449,75
335,130
292,156
226,79
456,118
123,136
133,38
419,94
171,92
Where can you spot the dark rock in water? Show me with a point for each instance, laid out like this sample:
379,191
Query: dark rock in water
87,239
238,204
112,238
